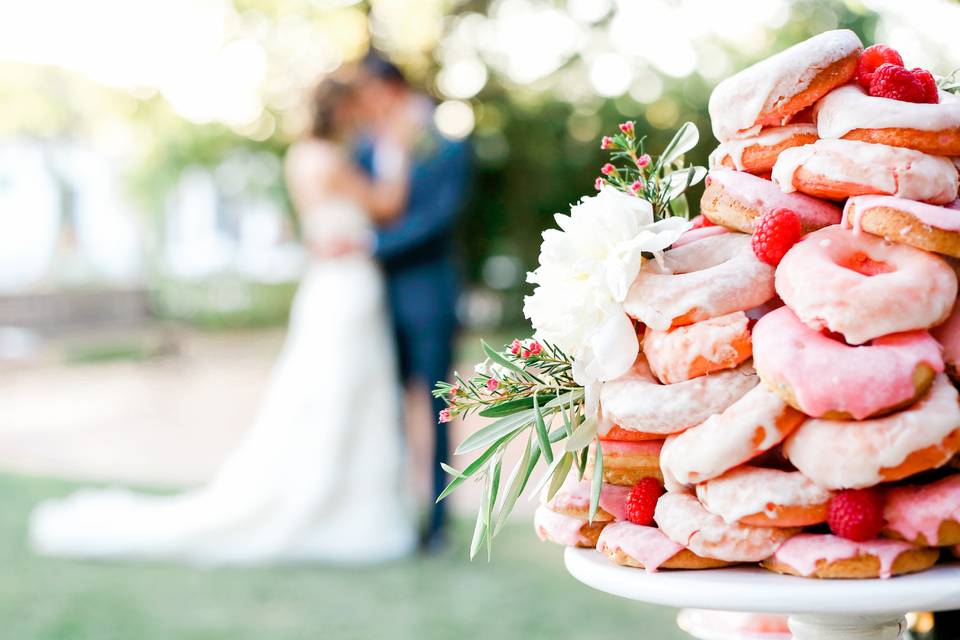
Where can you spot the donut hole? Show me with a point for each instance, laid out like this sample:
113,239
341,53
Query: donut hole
863,264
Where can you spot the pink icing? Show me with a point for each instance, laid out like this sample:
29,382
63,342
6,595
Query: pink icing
946,217
698,234
827,375
804,551
671,353
948,334
917,290
764,195
574,495
558,527
646,545
912,510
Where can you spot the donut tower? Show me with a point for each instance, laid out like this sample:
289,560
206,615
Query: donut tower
793,403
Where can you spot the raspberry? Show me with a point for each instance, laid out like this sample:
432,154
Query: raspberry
702,221
775,232
856,514
873,57
897,83
930,92
642,501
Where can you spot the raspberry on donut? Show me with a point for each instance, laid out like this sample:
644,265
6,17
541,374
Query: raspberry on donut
772,92
776,231
856,514
895,82
871,58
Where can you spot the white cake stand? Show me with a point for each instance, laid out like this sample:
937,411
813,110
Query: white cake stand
818,609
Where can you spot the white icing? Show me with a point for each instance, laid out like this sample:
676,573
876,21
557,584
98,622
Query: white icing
684,520
745,429
870,168
847,454
746,491
672,354
771,137
737,102
711,277
637,402
848,108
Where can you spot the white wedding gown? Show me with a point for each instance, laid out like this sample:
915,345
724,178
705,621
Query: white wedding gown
319,475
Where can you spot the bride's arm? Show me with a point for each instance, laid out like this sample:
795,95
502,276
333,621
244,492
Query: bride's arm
383,197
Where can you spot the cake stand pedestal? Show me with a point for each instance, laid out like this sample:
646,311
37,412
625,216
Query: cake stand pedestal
818,609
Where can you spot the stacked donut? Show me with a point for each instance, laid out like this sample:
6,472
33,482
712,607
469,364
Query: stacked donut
792,393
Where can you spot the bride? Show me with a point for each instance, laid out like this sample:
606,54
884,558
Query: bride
319,475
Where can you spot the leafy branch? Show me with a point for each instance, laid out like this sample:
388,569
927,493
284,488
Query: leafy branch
950,82
662,180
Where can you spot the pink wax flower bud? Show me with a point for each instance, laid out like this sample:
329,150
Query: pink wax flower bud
608,169
444,416
526,353
492,384
454,390
535,348
606,143
598,184
515,346
627,128
643,161
636,187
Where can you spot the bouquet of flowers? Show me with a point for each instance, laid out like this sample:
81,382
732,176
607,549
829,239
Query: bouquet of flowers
545,389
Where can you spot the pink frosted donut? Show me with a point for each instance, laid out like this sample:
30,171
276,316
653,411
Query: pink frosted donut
573,499
848,454
773,91
560,528
751,425
711,277
637,402
765,497
850,113
699,233
824,377
863,287
758,154
648,548
684,520
828,556
926,514
924,226
697,349
736,200
837,169
948,335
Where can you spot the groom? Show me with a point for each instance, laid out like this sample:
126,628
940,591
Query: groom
417,254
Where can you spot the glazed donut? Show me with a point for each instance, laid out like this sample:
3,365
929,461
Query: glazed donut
566,530
711,277
927,515
837,169
862,287
813,555
851,114
697,349
637,402
925,226
773,91
633,545
758,153
573,499
842,454
692,235
948,335
765,497
684,520
736,199
624,463
751,425
827,378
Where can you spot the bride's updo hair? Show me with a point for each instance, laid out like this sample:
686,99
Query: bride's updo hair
326,108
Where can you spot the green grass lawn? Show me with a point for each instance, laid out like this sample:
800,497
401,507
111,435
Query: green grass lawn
523,593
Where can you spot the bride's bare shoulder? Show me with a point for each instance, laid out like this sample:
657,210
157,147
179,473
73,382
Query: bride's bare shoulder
313,157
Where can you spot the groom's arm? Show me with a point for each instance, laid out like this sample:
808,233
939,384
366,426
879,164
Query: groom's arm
430,219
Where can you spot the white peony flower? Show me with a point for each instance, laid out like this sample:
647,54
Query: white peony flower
586,268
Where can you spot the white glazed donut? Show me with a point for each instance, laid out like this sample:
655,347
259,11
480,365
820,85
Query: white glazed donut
863,287
711,277
637,402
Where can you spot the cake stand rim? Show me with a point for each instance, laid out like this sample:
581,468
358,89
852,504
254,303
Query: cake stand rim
757,590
